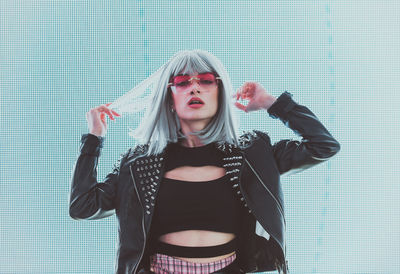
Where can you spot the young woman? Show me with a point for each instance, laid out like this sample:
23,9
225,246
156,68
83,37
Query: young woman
194,197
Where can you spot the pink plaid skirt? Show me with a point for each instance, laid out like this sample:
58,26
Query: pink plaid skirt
164,264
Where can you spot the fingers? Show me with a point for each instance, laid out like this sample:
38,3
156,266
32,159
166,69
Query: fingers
246,91
237,94
240,106
115,113
108,111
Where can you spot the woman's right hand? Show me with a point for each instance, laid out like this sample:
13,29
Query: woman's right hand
96,118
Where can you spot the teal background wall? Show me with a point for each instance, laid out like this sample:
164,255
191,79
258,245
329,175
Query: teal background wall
339,58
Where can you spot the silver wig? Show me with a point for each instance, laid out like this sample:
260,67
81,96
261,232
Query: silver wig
160,125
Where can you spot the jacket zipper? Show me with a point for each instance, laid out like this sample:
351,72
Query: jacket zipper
284,266
270,193
143,228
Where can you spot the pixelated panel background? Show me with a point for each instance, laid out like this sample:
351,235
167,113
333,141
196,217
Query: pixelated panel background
339,58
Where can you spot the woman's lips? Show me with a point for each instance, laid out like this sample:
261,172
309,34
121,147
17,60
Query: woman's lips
197,102
196,105
195,99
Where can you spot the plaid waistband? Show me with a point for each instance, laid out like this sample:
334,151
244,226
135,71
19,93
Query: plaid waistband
164,264
197,251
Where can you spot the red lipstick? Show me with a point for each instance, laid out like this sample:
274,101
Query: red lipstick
195,102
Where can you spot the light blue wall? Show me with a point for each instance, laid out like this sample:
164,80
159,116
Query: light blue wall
339,58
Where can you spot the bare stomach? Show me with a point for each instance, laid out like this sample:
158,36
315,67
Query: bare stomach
198,238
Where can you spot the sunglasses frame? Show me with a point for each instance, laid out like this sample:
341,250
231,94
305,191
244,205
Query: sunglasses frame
194,77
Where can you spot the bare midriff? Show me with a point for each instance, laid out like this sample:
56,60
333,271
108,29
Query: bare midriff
197,238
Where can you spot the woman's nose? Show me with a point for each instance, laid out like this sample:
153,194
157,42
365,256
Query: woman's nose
195,86
192,91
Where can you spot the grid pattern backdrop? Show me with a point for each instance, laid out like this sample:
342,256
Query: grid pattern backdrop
58,59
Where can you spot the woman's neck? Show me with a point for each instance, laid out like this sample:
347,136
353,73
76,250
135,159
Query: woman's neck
191,140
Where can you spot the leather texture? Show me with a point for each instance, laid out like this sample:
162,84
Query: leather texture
254,167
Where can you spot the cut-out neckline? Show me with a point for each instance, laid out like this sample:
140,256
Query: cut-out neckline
201,182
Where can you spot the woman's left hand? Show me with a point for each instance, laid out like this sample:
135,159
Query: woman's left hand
257,96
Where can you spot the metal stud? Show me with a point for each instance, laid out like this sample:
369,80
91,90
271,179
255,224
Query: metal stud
233,158
232,171
232,164
147,211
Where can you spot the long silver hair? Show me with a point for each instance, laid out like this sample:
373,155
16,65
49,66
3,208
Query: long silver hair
160,125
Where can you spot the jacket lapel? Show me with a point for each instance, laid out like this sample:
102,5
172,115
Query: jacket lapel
233,162
148,172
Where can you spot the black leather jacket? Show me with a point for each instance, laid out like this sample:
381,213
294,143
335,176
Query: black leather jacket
254,168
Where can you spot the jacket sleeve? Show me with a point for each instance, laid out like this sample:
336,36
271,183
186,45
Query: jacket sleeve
88,198
317,144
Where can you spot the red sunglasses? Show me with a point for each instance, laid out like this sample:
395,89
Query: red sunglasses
182,83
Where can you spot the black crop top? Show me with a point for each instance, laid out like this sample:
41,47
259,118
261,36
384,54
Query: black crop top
202,205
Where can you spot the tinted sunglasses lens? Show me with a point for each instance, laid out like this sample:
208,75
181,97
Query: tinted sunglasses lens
206,76
183,82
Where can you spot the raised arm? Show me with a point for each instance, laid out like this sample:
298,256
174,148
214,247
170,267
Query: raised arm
317,144
88,198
